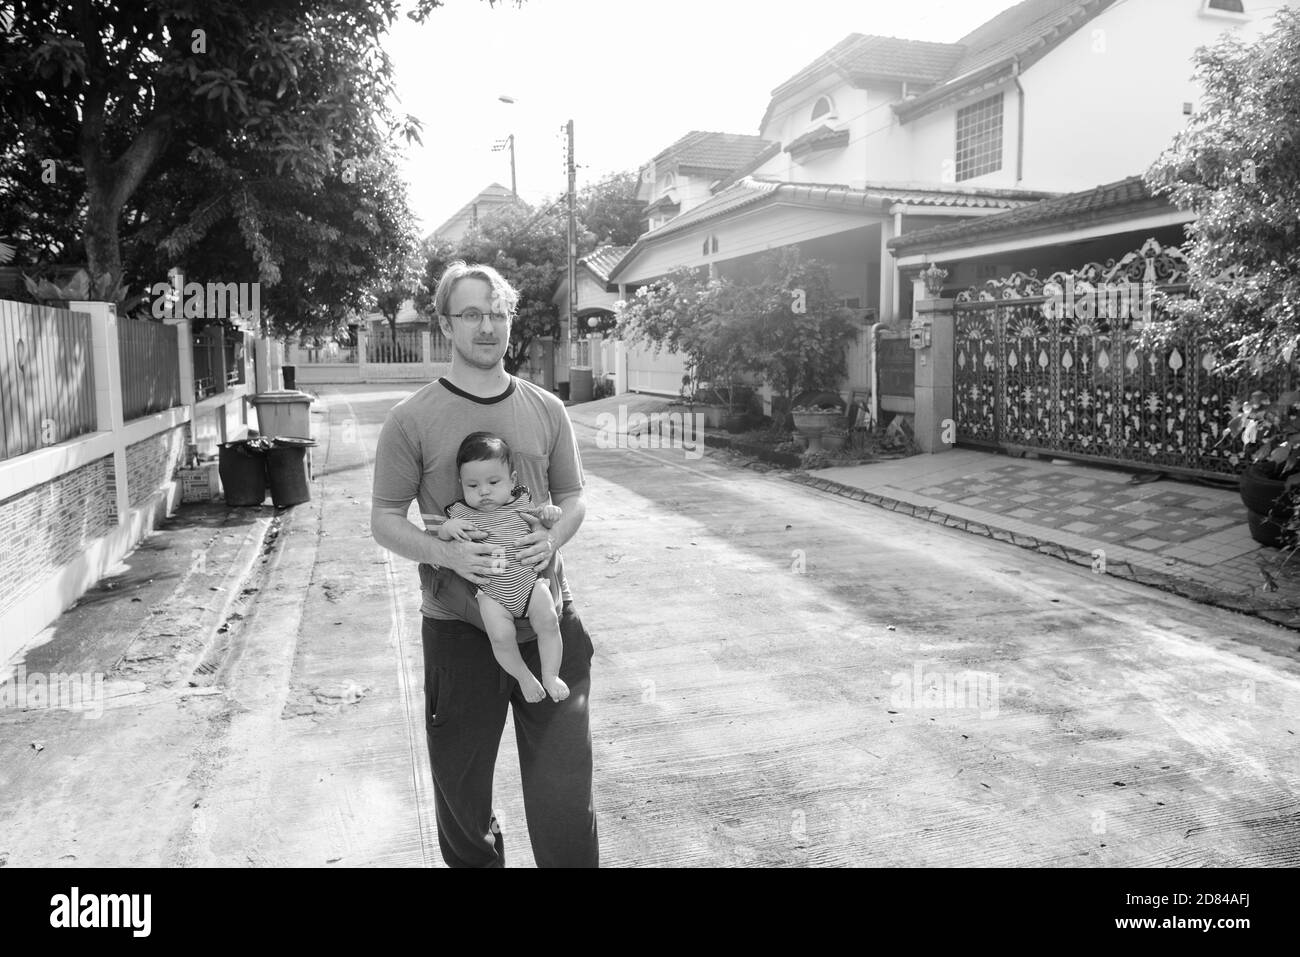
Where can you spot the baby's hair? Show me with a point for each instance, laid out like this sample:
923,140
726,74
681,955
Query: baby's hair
483,447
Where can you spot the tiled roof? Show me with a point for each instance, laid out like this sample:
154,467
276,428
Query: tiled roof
1089,204
601,261
822,138
1026,30
873,198
494,194
718,153
1014,31
771,150
663,202
861,54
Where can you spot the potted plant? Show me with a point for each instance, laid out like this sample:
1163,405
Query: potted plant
835,438
812,421
1269,434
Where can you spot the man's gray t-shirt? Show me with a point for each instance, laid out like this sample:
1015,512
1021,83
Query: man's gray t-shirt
415,458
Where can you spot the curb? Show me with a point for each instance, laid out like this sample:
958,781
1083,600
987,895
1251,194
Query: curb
1286,616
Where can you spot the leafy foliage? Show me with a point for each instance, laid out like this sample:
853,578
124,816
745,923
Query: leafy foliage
227,126
786,328
530,250
1237,165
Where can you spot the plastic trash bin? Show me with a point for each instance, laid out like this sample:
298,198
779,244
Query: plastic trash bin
580,390
286,470
242,467
284,413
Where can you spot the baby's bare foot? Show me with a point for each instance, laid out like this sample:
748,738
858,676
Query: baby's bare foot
556,688
533,690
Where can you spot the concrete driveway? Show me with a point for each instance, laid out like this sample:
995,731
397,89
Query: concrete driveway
782,677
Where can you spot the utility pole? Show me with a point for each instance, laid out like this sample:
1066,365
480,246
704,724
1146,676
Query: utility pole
573,240
499,145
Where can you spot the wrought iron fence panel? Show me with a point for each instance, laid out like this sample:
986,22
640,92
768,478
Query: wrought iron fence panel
1026,377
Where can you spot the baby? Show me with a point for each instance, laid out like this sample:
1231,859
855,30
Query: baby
493,503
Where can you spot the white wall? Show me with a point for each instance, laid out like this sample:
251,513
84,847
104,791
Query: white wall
1099,107
1133,66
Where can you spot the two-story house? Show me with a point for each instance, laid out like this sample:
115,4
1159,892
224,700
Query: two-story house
683,175
1038,130
881,138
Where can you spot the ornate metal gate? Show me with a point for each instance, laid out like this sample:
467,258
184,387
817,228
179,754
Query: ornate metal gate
1030,371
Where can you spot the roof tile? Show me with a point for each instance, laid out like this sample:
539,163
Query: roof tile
1089,202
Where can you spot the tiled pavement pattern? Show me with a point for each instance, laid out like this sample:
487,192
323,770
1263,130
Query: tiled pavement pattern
1173,534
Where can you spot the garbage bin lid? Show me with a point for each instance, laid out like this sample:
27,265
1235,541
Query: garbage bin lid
280,395
292,441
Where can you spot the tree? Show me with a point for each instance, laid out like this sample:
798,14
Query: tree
1237,165
434,256
609,213
113,96
796,333
529,250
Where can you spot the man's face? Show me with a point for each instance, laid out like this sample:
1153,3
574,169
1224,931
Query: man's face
480,344
487,484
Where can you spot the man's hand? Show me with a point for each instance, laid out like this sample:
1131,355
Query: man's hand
473,561
537,548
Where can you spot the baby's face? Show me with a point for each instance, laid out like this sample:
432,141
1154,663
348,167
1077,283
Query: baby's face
486,485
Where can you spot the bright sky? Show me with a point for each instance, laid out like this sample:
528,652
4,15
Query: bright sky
633,76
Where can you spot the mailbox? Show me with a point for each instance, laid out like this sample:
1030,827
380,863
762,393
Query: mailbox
920,338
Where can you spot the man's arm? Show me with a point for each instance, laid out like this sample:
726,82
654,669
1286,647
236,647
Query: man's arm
393,531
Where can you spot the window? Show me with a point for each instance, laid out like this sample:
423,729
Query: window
823,109
979,138
670,182
1227,6
710,245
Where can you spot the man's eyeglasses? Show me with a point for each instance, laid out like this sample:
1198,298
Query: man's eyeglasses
474,316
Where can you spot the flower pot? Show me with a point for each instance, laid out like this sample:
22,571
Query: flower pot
832,441
735,422
815,423
1263,529
1266,513
713,415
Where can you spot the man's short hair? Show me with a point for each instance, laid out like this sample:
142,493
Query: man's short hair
502,291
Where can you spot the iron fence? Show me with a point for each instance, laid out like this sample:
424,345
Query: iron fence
406,346
209,363
1030,377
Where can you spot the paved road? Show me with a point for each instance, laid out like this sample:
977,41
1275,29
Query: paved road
782,677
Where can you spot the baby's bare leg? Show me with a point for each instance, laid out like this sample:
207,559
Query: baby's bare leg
500,625
550,646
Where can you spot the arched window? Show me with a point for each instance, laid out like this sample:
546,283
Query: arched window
823,108
669,181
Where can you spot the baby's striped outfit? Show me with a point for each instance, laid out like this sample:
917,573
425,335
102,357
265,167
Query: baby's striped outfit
504,525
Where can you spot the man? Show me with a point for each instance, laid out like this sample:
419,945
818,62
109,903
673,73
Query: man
467,693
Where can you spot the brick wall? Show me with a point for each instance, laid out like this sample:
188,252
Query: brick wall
47,526
152,462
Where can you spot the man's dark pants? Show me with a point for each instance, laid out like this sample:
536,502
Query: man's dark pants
466,697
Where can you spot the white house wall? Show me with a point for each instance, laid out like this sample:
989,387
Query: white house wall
767,228
1099,107
1128,72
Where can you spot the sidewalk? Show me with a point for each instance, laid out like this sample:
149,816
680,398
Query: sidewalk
1175,535
1179,536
